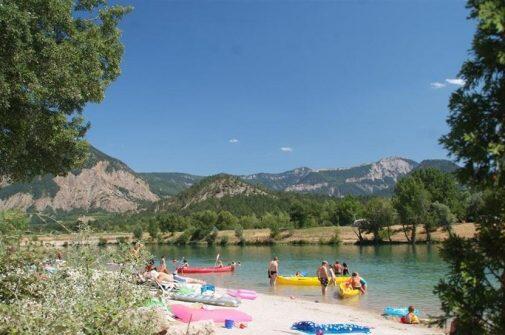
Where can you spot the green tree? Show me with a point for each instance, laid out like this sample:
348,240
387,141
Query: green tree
441,216
412,202
379,214
138,232
153,229
443,188
55,57
474,290
226,220
347,211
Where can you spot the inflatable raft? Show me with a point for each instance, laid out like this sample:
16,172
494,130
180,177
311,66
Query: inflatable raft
187,314
347,292
305,281
398,311
209,269
243,294
206,299
310,327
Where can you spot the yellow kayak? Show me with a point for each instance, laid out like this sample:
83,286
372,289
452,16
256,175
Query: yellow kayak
346,291
305,281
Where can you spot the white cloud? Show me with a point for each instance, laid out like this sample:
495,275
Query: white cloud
286,149
456,81
233,140
437,85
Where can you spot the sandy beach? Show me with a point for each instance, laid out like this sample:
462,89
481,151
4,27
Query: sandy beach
275,315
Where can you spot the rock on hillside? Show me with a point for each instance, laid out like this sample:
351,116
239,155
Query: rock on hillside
367,179
104,183
214,187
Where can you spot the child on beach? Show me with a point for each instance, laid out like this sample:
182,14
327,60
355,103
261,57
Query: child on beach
410,318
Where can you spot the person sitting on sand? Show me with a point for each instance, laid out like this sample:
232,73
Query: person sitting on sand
163,266
345,269
273,270
338,268
355,282
150,265
410,318
323,276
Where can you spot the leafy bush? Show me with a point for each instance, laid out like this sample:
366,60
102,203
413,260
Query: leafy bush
335,239
138,232
81,297
185,237
212,236
224,241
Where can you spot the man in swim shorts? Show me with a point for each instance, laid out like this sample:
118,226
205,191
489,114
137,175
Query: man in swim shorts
323,276
273,270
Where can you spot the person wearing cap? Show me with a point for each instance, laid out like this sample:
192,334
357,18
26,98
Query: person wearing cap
323,276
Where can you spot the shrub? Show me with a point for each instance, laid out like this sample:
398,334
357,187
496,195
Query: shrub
239,232
138,232
224,241
335,239
212,236
185,237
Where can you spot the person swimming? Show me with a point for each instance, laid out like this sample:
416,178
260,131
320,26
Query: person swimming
410,318
323,276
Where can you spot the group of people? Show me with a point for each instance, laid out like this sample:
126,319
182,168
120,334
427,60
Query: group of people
326,274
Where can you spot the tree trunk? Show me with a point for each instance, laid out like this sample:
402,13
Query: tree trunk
405,232
413,236
428,235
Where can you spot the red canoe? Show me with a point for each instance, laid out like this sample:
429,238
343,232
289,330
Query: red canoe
208,269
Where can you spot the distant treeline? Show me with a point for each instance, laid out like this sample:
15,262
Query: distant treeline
427,198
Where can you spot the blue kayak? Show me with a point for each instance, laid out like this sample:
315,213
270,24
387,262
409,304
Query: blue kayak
310,327
398,311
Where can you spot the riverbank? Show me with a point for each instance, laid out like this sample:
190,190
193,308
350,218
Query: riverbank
275,315
317,235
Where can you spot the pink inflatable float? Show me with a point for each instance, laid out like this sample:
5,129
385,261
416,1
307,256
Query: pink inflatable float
185,314
243,294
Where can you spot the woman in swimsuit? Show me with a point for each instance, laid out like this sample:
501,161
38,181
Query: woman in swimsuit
345,269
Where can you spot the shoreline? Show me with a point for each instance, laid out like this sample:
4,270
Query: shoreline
255,237
274,314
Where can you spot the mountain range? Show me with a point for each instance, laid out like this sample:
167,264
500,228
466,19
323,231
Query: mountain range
107,184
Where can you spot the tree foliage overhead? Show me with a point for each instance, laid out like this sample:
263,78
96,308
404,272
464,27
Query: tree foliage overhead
55,56
477,110
474,290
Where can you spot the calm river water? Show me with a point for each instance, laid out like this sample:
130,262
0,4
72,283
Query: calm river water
397,275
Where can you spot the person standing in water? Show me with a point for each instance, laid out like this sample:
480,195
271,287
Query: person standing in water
323,276
338,268
345,269
273,270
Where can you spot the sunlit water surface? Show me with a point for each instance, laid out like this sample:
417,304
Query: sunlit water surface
397,275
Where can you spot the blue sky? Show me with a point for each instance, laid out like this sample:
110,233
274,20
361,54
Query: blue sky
251,86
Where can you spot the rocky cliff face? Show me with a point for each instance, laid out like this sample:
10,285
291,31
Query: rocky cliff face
105,185
367,179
